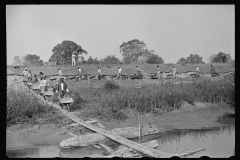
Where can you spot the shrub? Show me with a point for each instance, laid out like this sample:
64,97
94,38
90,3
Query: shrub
111,85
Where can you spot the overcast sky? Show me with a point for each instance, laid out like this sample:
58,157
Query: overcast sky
173,31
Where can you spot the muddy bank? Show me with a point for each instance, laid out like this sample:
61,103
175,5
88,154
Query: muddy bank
190,117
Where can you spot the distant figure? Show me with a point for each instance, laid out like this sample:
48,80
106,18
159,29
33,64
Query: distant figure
25,73
224,58
62,88
174,72
80,58
59,72
79,75
119,72
34,78
43,84
29,75
41,76
73,59
159,72
99,73
197,69
212,71
139,72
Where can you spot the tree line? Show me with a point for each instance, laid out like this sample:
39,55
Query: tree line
133,51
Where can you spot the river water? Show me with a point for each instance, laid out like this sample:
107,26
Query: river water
218,142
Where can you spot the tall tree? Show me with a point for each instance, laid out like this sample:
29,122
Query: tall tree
131,50
62,53
218,58
194,59
32,59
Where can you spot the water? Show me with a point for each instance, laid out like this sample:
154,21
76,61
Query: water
218,142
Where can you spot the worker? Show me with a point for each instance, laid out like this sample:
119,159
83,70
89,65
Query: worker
138,72
29,75
59,72
174,72
41,75
43,84
212,71
80,58
73,59
25,73
79,76
159,76
119,72
99,73
34,78
62,88
197,69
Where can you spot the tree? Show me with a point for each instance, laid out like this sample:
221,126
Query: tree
154,59
218,58
131,50
32,59
194,59
62,53
90,60
18,60
182,61
111,59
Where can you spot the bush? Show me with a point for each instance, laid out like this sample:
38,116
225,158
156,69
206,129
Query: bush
111,85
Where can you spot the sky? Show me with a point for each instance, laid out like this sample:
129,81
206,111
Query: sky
172,31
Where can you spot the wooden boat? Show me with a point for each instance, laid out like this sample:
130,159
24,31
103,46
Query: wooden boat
65,100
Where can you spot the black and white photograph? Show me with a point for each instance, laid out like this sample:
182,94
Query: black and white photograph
120,80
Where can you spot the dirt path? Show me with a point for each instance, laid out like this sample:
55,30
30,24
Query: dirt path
191,117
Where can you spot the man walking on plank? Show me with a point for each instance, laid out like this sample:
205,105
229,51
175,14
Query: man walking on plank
62,88
119,72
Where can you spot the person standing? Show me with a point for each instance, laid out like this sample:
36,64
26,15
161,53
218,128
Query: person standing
73,59
212,71
43,84
79,76
174,72
41,75
197,69
80,58
25,73
159,76
99,73
29,75
59,72
62,88
119,72
34,78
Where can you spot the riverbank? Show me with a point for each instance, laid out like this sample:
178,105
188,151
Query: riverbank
197,116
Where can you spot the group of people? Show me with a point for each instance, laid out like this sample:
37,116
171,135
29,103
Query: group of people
60,86
80,59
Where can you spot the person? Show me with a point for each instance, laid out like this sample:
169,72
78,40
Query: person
197,69
43,84
99,73
73,59
29,75
212,71
79,76
41,75
79,59
158,72
174,71
34,78
119,72
59,72
62,88
139,72
25,73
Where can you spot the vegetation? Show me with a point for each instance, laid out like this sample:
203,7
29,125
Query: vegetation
220,58
154,59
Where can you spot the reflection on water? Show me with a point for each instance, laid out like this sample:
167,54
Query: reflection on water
218,142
